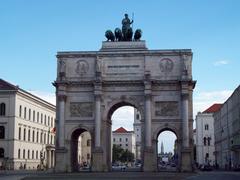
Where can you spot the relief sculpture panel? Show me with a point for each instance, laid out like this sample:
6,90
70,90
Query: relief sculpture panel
81,109
167,108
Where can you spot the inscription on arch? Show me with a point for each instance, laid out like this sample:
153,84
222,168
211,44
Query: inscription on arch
81,109
166,108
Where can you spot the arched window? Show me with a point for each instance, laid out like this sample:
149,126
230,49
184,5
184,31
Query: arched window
25,113
205,141
2,109
20,111
44,139
1,153
51,122
19,133
19,153
2,132
48,120
32,154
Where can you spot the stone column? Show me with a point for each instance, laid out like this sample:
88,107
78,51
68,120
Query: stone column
60,131
148,149
61,151
97,121
185,121
186,150
98,162
148,121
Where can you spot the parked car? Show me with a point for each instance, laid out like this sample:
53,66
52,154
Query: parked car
206,167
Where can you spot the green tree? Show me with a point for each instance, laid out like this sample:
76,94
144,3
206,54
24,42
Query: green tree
117,153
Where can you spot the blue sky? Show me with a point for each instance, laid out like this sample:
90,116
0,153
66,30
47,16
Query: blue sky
32,32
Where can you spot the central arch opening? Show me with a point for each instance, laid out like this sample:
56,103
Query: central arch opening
125,138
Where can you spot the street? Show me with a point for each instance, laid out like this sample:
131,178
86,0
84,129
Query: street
214,175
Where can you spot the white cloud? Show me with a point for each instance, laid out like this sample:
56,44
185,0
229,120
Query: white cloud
49,97
220,63
203,100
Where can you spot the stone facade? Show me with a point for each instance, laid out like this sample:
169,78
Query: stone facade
91,85
205,140
26,129
227,132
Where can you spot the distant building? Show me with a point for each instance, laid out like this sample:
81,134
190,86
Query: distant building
194,145
205,135
27,129
125,139
162,148
227,132
84,149
138,132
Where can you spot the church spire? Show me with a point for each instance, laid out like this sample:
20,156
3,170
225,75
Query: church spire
162,148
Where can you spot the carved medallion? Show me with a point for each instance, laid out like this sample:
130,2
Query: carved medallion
82,67
166,65
81,109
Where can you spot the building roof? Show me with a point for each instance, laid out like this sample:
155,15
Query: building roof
121,130
7,86
214,108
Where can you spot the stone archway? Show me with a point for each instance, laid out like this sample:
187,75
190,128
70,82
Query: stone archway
90,85
177,154
118,103
78,155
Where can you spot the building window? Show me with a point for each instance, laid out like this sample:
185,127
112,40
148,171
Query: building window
19,153
206,126
37,137
120,145
19,133
48,120
33,136
205,141
41,118
29,114
41,137
25,113
1,153
37,116
24,154
45,120
51,122
120,139
126,139
208,140
2,132
137,117
88,156
88,142
36,154
29,135
126,144
32,154
24,134
33,116
2,109
20,111
113,139
44,138
28,154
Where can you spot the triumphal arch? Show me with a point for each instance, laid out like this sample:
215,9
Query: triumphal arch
91,85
